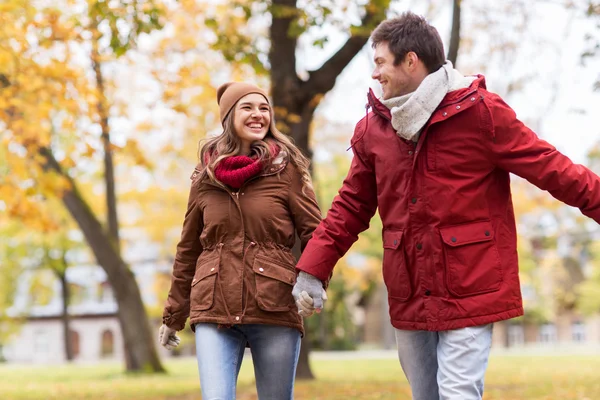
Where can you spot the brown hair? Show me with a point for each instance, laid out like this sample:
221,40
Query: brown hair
411,32
213,150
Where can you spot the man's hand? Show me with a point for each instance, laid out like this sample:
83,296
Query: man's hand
168,338
305,304
309,294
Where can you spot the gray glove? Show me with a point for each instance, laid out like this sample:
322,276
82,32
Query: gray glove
168,338
305,304
308,287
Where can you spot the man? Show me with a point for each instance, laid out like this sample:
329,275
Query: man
434,155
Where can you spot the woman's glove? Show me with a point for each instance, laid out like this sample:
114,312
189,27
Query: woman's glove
168,338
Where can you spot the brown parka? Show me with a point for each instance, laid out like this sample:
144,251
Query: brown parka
234,263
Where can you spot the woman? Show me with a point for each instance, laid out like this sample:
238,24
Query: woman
234,269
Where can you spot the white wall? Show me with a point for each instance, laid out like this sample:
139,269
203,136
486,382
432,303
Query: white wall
41,341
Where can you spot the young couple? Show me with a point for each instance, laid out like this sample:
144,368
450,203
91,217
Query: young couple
434,156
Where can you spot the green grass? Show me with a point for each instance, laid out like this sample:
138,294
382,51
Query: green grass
509,377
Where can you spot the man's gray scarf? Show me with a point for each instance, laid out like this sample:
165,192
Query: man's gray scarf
411,111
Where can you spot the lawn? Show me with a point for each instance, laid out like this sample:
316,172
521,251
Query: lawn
509,377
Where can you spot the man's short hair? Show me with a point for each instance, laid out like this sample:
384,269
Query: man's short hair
411,32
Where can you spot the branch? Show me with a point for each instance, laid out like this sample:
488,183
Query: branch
322,80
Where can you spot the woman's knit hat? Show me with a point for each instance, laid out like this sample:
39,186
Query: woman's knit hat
229,93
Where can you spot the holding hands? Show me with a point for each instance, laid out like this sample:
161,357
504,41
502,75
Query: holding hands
309,294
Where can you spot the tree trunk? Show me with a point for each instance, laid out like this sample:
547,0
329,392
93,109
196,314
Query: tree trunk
109,174
455,33
140,352
65,318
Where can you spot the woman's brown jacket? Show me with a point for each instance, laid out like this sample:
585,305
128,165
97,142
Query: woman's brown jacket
234,263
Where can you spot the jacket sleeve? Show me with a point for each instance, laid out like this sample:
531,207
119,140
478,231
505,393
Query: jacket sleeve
517,149
350,214
177,307
304,208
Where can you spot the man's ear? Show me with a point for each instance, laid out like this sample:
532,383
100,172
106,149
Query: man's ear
411,59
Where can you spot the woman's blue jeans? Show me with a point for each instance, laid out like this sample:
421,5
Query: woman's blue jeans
275,351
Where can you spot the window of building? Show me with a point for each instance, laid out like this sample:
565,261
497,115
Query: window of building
107,344
548,333
75,343
516,335
578,332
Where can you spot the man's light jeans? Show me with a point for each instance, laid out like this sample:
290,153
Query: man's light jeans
446,365
275,351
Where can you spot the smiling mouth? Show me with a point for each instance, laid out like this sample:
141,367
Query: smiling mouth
255,126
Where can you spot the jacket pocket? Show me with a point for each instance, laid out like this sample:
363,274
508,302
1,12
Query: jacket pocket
395,272
203,285
472,259
274,282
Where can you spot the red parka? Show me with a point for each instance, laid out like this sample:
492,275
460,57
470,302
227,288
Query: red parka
449,235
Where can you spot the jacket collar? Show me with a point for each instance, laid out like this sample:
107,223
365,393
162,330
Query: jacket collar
457,95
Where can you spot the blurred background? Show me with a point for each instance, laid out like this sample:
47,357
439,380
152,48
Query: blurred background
102,106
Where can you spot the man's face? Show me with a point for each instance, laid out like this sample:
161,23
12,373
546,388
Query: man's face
395,80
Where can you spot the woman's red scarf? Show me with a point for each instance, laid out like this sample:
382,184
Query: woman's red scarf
235,170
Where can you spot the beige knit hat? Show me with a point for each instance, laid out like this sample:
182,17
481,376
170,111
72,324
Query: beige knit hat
229,93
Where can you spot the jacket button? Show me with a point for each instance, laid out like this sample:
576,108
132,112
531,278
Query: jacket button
410,152
261,269
212,269
395,242
419,246
458,107
472,98
427,292
453,239
237,318
413,200
445,113
487,233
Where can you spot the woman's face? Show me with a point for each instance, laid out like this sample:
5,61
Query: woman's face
252,119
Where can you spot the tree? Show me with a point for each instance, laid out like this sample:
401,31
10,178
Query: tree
50,111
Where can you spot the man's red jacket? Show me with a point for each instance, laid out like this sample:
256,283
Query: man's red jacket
449,235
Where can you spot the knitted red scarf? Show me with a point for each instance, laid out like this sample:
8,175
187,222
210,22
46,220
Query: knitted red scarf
235,170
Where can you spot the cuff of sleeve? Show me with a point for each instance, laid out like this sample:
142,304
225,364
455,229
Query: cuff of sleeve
171,321
317,272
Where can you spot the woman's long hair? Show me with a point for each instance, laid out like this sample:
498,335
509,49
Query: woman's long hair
227,144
